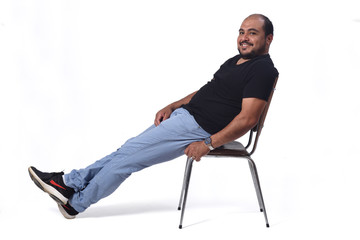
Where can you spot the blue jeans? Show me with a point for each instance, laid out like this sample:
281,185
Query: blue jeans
155,145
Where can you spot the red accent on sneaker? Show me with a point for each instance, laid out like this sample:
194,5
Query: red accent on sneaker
55,184
65,207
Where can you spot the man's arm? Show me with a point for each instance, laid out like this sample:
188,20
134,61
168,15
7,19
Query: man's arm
252,109
248,117
165,113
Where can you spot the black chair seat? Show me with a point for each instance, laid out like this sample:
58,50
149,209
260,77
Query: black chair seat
231,149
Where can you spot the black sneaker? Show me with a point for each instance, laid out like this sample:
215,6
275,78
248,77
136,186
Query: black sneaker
53,184
67,211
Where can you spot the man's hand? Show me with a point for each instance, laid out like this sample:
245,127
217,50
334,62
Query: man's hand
162,115
196,150
165,113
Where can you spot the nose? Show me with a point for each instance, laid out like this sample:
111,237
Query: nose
243,37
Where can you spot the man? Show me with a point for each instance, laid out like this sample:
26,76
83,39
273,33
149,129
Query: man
221,111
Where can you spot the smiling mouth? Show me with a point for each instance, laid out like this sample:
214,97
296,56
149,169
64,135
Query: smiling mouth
245,44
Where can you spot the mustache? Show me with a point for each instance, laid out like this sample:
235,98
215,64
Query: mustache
241,43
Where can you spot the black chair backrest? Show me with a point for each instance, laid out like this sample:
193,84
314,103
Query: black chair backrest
260,125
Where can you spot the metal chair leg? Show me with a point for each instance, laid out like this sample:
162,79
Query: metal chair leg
256,180
185,189
253,174
183,185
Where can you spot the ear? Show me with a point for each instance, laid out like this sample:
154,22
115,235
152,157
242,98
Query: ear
269,39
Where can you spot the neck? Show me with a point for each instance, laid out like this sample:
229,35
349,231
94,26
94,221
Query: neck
241,60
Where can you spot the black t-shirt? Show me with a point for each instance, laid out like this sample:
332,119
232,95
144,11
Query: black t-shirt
218,102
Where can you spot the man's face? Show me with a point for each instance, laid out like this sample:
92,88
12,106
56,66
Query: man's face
252,41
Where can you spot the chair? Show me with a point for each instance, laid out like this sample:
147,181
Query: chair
233,149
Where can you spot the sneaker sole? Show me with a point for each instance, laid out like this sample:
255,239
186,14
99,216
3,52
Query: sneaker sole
54,194
64,213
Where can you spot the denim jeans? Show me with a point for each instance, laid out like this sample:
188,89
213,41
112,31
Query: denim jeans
155,145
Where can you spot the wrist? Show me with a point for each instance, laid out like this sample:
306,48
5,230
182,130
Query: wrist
173,106
208,143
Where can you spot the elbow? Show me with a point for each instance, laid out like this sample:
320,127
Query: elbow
251,122
244,124
254,122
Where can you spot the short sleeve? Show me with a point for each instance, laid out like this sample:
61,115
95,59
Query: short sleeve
261,81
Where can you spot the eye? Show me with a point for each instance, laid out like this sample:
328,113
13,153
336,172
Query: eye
252,33
241,32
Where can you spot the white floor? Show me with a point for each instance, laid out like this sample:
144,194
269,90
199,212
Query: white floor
221,204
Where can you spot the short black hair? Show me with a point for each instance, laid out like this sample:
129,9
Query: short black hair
268,26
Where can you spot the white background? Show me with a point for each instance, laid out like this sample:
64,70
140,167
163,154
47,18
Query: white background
78,78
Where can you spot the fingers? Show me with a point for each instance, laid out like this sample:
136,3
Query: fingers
191,152
166,116
196,159
160,116
157,119
187,151
197,150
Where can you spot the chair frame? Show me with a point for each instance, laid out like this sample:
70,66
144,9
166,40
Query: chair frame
233,149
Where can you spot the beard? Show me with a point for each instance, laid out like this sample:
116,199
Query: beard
254,53
249,55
